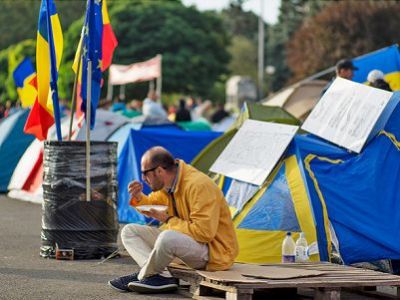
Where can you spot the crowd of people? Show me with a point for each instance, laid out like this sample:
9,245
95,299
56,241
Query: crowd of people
8,109
185,110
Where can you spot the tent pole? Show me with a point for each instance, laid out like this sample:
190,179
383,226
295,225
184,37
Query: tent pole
122,92
88,121
159,80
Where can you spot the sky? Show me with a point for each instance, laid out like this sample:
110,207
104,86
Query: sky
270,7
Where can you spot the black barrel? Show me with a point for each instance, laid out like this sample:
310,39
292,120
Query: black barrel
90,228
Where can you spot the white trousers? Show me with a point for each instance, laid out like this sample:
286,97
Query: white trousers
153,249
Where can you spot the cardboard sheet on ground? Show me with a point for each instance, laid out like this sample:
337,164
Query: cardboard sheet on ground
254,151
347,113
250,273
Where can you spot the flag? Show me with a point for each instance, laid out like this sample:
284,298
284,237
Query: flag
25,80
386,60
143,71
49,48
97,44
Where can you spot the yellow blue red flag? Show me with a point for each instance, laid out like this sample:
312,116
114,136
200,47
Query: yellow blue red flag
49,47
25,80
97,43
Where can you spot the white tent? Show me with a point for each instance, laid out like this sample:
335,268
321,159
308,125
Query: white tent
298,99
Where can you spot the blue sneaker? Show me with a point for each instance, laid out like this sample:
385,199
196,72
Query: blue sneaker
121,283
154,284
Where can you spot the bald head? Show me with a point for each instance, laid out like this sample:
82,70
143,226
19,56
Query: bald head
158,156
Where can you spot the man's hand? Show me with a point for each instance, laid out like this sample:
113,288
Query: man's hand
135,189
161,216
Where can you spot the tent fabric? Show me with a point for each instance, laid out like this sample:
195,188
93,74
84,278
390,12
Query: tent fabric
298,99
358,193
121,135
182,144
13,143
198,125
386,60
204,160
106,123
280,205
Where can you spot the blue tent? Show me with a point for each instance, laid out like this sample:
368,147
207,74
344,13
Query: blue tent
13,143
318,184
182,144
358,193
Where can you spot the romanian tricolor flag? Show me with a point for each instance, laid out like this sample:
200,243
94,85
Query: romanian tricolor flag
49,48
97,43
25,80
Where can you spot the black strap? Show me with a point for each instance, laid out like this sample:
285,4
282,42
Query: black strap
174,204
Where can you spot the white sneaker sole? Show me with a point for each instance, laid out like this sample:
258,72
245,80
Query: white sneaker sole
148,289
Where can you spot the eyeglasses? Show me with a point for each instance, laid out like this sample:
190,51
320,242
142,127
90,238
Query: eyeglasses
144,172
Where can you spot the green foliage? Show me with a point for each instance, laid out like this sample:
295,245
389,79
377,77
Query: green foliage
9,60
21,17
238,22
244,57
292,14
192,43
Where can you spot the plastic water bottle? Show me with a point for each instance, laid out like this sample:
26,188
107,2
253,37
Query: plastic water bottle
288,249
301,248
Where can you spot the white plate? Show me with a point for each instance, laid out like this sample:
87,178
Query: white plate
148,207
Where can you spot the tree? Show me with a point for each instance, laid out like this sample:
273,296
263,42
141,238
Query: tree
238,22
244,57
192,43
291,16
22,18
342,30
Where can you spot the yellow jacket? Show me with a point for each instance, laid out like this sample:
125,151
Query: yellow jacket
203,214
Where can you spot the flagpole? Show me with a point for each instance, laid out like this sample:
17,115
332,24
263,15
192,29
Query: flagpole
159,79
74,92
53,67
88,112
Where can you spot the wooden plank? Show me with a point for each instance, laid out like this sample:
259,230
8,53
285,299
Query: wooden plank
221,287
311,284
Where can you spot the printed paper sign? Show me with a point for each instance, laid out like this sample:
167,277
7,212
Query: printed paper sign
347,113
254,151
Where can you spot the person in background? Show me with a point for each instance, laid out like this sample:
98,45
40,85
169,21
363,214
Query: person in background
219,114
2,109
9,109
344,69
182,114
197,225
152,108
376,79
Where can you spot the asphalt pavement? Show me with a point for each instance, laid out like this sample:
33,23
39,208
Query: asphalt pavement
26,275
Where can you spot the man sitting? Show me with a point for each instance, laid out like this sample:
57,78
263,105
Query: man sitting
197,226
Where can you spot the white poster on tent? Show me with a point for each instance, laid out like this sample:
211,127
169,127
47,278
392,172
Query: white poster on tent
254,151
347,113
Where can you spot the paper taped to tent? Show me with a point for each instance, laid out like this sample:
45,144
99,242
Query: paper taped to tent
347,113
